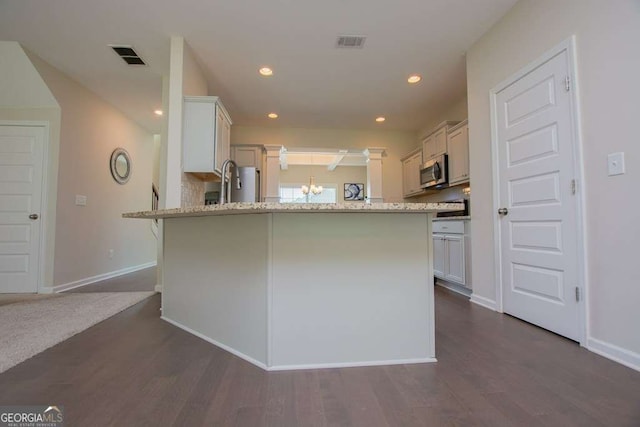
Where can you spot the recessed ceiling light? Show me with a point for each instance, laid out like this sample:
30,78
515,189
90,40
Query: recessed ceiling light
266,71
272,115
380,119
414,78
158,112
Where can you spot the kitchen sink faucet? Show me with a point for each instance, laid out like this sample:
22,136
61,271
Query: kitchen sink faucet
225,191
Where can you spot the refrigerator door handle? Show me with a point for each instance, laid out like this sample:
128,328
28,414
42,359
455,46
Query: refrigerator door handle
258,187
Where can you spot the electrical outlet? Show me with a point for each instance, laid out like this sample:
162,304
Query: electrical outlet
81,200
615,163
110,253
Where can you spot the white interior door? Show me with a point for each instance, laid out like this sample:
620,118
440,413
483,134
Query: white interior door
21,161
538,225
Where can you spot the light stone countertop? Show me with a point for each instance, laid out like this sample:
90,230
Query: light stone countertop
251,208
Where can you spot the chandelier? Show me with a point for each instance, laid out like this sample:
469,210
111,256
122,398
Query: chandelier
311,188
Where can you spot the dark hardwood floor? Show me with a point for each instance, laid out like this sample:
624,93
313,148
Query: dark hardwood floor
141,280
493,370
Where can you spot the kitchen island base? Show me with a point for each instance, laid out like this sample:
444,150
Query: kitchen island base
286,290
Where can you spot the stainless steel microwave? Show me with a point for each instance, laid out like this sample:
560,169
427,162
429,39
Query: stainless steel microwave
434,172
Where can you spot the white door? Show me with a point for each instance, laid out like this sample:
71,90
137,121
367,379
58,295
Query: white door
21,161
538,225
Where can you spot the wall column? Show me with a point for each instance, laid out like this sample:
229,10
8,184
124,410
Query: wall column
374,174
272,174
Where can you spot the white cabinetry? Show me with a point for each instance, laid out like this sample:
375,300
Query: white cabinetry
451,251
411,173
206,133
435,143
458,150
247,155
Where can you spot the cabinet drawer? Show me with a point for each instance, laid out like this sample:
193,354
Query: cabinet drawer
456,227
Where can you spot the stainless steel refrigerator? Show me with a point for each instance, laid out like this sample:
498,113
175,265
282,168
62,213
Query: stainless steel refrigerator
250,186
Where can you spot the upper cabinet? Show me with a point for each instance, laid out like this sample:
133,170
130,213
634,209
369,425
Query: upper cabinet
458,150
435,143
206,134
411,164
247,155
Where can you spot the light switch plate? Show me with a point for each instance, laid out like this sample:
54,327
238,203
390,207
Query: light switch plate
81,200
615,163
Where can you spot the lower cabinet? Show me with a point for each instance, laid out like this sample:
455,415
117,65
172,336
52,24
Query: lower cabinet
451,257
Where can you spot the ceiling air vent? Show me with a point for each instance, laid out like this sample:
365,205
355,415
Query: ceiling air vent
350,42
128,55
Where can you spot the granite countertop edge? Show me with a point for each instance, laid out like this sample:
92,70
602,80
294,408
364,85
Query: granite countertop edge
255,208
453,218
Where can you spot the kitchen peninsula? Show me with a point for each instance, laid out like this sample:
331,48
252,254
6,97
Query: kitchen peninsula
291,286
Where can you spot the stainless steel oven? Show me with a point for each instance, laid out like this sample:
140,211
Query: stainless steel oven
434,172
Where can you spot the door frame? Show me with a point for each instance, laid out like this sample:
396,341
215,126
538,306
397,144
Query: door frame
44,207
567,45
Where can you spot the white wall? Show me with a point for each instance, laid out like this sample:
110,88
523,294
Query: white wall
396,143
157,141
455,112
20,84
608,53
90,129
185,79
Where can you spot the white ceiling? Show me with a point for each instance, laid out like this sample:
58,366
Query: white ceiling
314,83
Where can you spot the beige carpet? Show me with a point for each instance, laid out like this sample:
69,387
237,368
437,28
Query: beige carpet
6,299
28,328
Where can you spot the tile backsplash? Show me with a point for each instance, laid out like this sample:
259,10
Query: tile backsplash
192,191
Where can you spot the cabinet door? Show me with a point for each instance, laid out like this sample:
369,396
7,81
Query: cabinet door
439,251
455,258
225,149
198,136
415,172
440,142
411,175
428,148
458,155
247,156
219,145
406,184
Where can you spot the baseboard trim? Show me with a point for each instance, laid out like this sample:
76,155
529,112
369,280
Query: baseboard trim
613,352
158,288
296,367
454,287
100,277
483,302
216,343
352,364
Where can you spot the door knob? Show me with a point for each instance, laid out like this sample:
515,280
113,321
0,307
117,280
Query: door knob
503,211
33,216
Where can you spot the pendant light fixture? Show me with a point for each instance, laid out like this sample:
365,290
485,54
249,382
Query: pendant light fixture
312,188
